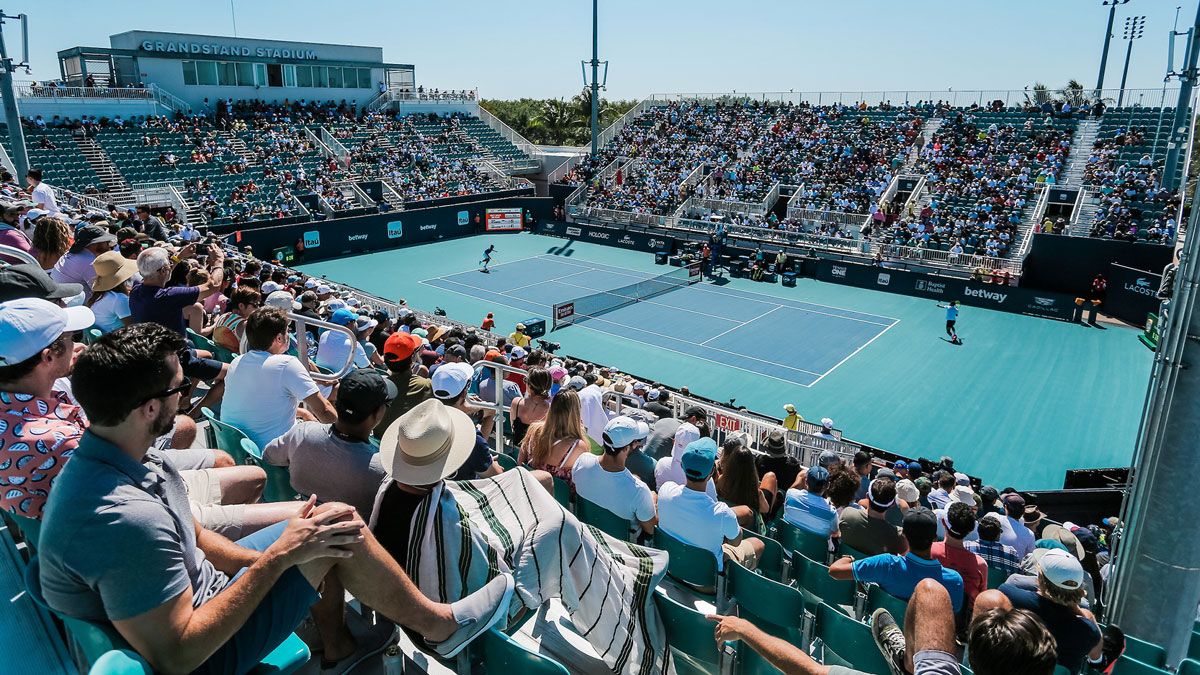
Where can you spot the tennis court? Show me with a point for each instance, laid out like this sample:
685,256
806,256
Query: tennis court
725,326
1020,402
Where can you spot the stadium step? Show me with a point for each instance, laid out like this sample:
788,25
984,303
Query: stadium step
1081,150
115,185
239,146
1081,223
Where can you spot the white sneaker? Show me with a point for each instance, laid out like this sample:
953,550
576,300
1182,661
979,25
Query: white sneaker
476,613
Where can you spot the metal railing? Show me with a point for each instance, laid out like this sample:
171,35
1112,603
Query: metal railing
852,220
335,146
565,168
928,256
966,98
302,324
48,91
1039,210
615,128
14,253
508,133
447,96
1077,227
497,405
318,143
170,100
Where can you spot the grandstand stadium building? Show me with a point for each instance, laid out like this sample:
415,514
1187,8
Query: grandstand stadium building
199,67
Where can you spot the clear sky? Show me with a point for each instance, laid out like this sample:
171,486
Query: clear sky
515,48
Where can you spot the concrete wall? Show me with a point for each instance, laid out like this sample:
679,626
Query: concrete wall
74,108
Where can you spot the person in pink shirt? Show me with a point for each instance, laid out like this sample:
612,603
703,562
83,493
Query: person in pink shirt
954,556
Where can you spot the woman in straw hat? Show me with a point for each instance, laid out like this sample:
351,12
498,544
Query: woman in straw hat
110,291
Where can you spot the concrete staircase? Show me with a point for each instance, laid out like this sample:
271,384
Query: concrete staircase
1081,149
115,185
927,131
1081,223
239,146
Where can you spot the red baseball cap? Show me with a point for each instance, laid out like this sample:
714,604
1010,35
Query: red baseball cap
400,346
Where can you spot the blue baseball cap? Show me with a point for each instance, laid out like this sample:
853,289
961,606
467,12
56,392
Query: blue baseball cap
817,479
699,458
900,464
343,317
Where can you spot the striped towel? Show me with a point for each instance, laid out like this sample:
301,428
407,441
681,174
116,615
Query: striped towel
509,523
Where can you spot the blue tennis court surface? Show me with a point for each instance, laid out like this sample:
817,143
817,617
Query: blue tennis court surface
790,340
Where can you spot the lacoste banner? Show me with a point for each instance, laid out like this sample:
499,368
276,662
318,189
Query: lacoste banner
1131,294
638,241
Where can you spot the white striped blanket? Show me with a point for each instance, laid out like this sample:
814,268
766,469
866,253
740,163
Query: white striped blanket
510,523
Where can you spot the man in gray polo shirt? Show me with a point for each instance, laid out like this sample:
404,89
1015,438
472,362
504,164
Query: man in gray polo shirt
119,544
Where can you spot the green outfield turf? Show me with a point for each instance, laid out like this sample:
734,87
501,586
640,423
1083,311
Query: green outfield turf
1020,402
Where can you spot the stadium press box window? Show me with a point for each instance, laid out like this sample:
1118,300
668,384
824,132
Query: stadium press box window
245,74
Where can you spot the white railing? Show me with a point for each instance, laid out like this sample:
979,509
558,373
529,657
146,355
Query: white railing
170,100
83,200
507,132
606,136
600,178
927,256
769,200
1039,211
47,91
7,162
448,96
915,197
335,146
617,216
796,200
381,100
1009,97
399,201
318,143
853,221
1078,228
565,168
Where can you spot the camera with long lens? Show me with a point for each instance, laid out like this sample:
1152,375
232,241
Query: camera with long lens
549,346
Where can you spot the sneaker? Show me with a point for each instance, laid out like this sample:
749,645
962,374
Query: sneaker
889,638
369,643
476,613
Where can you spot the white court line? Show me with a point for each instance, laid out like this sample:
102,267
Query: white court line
771,299
510,262
851,354
650,332
659,304
546,281
742,324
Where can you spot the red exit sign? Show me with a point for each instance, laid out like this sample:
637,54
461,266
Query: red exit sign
727,423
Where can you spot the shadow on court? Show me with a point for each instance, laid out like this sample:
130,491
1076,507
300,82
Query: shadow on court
564,250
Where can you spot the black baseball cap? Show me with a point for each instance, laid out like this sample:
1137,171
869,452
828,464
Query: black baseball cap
695,411
361,392
30,281
920,526
91,234
457,350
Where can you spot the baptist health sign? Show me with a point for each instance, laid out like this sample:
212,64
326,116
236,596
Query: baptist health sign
182,47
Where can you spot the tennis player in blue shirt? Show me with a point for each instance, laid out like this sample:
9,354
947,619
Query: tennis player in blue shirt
487,257
951,319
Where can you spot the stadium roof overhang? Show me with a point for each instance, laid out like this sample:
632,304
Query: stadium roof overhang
109,52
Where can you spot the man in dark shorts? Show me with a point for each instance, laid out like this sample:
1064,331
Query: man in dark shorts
487,257
951,319
119,545
152,301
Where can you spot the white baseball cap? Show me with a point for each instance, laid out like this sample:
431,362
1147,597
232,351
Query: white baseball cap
282,300
334,304
310,283
29,325
827,422
621,431
449,379
652,395
324,289
518,353
1061,569
270,287
352,302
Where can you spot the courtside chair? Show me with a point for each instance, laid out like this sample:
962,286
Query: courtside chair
229,438
96,640
810,545
279,478
776,608
689,637
601,518
692,567
879,598
850,638
502,654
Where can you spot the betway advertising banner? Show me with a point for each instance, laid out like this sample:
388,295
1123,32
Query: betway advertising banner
638,241
990,296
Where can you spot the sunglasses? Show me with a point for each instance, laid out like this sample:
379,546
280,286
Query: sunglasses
183,388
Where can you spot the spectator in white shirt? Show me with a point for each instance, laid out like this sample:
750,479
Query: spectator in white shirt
690,515
807,508
40,193
110,299
1015,534
335,346
265,386
606,482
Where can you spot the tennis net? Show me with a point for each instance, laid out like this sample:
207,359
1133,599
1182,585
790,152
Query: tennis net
588,306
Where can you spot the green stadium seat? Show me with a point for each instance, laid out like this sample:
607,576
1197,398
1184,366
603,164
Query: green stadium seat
811,546
689,636
229,438
502,654
120,662
996,576
1189,666
1127,665
505,461
602,519
850,638
878,598
852,552
776,608
1146,652
771,563
693,567
31,528
279,478
814,577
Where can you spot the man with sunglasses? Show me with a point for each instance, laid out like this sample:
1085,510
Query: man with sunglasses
120,547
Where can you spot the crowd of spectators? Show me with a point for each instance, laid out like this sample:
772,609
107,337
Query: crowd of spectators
409,415
1133,205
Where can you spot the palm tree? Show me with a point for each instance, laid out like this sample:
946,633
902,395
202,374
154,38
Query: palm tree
558,121
1041,94
1073,93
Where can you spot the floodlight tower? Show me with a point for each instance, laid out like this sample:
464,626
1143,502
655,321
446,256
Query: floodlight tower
12,116
1112,15
1135,26
596,84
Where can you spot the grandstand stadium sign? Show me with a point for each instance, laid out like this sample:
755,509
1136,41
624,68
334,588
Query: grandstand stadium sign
207,49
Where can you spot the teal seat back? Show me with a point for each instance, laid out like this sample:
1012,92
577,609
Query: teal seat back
852,552
229,438
601,518
814,577
1193,651
770,564
562,492
1146,652
506,462
878,598
776,608
31,528
690,637
279,479
996,576
811,546
694,567
1189,666
91,335
502,654
1127,665
750,662
201,342
94,640
851,639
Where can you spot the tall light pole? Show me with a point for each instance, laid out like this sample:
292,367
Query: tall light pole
1135,26
1112,15
595,83
12,116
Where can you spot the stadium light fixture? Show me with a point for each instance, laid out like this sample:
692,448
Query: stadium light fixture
1112,15
1135,27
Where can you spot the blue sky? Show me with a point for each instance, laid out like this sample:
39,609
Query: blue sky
533,47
